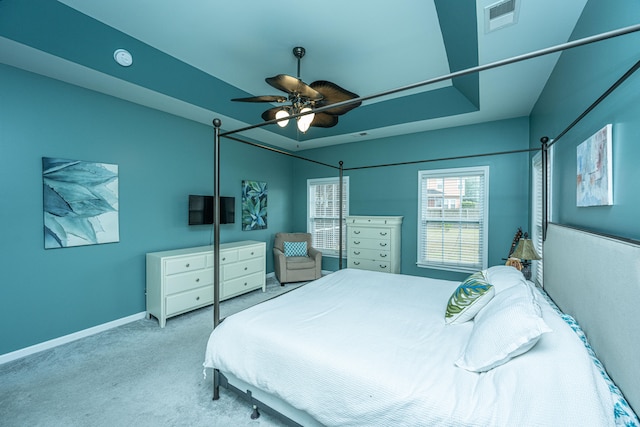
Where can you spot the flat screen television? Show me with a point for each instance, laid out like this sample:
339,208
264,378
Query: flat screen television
201,210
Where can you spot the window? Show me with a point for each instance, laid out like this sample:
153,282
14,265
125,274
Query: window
323,207
453,218
536,210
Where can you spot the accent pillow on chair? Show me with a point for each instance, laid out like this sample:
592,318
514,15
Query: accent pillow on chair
295,249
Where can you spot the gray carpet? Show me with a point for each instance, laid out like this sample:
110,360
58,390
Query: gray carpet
134,375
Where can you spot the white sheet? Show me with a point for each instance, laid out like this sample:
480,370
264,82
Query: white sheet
362,348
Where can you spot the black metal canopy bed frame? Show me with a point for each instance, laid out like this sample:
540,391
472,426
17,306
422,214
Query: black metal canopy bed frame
600,310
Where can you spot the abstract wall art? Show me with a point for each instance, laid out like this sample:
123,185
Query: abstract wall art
254,205
80,201
594,186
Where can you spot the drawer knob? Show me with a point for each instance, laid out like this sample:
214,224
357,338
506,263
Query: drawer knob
356,231
197,298
197,280
383,244
356,243
187,265
356,253
356,262
224,259
383,255
383,233
245,283
251,253
245,268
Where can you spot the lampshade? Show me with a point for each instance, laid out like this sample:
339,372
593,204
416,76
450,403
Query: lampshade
304,122
280,115
525,250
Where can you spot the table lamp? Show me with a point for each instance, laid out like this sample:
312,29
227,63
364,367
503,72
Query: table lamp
525,252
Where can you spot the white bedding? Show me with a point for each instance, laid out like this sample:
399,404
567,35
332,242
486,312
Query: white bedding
362,348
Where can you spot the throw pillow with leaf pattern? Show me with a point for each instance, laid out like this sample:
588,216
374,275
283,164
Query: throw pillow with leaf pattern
469,298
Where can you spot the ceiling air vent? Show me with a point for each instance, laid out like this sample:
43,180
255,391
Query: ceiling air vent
500,15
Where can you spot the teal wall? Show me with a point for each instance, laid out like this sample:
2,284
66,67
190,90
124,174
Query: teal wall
580,77
161,159
394,190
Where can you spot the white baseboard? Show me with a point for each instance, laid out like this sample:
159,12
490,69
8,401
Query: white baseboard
14,355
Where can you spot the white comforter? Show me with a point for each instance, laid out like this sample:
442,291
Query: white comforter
359,348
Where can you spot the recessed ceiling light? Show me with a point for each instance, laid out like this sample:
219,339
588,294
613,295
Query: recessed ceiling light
123,57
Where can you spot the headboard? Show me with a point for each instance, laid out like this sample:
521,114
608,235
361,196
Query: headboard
596,279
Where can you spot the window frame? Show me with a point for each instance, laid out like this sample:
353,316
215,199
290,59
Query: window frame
457,173
330,252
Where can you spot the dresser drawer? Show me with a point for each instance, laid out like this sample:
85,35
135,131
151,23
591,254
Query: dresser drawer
358,242
250,253
242,268
241,285
228,256
371,254
191,280
370,233
184,264
366,264
189,300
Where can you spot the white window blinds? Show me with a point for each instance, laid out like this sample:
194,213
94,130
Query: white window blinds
536,212
453,218
324,213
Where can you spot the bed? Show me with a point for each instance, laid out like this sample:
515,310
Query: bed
363,348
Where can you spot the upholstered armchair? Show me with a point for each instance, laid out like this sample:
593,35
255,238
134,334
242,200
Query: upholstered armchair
294,259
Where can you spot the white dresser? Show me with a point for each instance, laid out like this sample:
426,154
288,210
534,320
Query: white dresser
373,243
182,280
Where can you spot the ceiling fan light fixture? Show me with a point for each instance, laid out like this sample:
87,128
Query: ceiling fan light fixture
281,114
303,98
304,122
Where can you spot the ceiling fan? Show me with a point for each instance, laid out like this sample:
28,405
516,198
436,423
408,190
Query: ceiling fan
303,98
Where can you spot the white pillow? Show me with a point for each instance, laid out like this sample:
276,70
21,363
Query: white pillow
508,326
503,277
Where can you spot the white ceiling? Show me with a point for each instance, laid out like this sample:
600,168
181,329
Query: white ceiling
366,47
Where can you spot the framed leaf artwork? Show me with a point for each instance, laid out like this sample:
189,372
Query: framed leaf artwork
254,205
80,203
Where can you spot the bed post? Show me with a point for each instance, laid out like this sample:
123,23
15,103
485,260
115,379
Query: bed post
545,193
340,217
216,243
216,223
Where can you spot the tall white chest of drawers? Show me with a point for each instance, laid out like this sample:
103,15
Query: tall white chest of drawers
373,243
181,280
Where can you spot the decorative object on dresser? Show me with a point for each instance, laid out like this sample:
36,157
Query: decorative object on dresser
291,265
373,243
182,280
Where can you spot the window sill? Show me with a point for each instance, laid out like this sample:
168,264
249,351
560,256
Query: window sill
457,269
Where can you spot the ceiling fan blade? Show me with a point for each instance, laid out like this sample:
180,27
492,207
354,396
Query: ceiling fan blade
293,86
324,120
264,98
333,94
